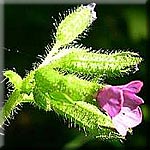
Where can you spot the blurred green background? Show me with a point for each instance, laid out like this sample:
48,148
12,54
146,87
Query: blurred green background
28,29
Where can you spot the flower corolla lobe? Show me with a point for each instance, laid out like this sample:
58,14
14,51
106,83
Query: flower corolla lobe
122,104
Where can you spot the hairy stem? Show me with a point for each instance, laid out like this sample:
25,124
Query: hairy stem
11,105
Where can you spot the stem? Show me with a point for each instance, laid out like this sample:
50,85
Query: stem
50,55
15,99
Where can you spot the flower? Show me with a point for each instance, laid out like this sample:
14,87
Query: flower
122,105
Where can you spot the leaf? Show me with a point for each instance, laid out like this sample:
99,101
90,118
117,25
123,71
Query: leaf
28,83
96,65
11,104
60,97
74,24
88,117
48,81
69,29
14,78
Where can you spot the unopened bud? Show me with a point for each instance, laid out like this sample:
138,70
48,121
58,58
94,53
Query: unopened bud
74,24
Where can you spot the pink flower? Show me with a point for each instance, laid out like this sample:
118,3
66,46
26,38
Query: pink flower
122,105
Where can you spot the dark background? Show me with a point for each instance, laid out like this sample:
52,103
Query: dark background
28,29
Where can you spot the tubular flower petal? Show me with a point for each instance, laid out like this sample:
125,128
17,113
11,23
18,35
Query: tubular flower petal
110,98
122,104
133,86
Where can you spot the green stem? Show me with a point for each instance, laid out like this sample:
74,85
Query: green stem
14,100
50,55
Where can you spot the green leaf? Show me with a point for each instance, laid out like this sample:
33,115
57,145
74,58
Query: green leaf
51,81
14,78
60,97
11,105
22,93
96,65
74,24
88,117
69,29
42,98
28,83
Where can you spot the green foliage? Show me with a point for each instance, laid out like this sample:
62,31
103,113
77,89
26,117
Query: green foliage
73,25
66,80
14,78
97,65
28,83
88,117
70,28
52,81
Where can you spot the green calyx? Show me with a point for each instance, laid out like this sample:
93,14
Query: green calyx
97,65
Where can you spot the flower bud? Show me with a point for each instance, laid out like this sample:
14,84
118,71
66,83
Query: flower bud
74,24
